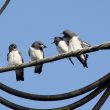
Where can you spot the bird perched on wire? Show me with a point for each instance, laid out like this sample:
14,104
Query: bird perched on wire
61,46
14,57
36,53
75,43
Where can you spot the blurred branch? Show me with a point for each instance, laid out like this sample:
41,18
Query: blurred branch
58,57
102,100
4,6
59,96
68,107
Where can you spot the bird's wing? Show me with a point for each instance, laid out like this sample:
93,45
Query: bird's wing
43,54
29,52
7,56
84,44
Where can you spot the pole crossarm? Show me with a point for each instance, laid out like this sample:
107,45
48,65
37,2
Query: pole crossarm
56,97
4,6
68,107
58,57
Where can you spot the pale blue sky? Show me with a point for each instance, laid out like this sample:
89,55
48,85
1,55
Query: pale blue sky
25,21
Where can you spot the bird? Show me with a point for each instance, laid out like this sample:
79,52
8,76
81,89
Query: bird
61,46
75,43
15,58
36,53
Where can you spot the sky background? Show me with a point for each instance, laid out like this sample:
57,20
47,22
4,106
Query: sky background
26,21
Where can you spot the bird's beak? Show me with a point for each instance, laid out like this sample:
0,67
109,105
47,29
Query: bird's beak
43,46
53,42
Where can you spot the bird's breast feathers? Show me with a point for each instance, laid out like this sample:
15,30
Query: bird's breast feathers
36,54
62,47
75,44
14,58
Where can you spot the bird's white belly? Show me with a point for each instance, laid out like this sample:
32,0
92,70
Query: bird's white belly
74,44
14,58
36,54
62,47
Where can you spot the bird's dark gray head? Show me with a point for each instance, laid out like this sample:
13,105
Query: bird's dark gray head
12,47
57,40
68,34
38,45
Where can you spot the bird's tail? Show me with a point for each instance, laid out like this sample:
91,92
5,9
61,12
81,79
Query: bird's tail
20,75
83,61
71,61
38,68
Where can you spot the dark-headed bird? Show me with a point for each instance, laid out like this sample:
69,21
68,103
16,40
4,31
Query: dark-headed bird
36,53
61,46
74,44
14,58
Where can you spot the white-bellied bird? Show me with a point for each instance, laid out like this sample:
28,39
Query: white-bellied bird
14,58
75,43
61,46
36,53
